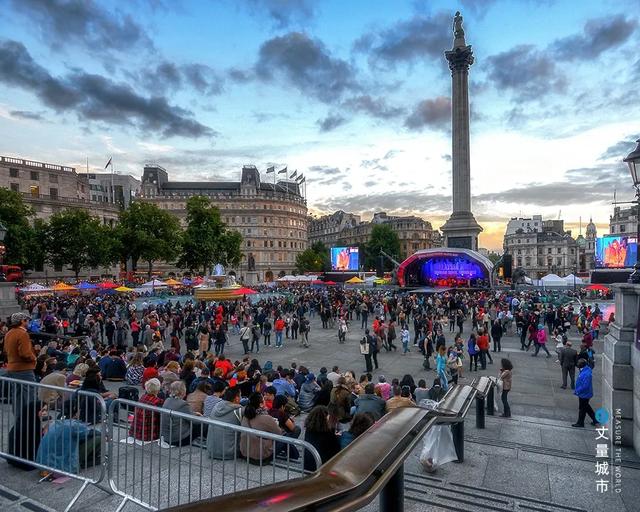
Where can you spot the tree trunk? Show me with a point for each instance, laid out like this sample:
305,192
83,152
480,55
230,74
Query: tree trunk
150,268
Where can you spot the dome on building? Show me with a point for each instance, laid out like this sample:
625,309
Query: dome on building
591,229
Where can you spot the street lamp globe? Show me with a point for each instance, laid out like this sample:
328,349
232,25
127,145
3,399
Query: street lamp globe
633,161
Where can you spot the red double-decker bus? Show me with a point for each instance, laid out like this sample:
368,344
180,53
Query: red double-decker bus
12,273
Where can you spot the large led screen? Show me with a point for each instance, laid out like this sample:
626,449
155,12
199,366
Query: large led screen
344,258
613,251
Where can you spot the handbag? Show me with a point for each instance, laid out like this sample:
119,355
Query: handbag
459,362
476,348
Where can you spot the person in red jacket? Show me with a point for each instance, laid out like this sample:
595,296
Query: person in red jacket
225,365
278,327
483,344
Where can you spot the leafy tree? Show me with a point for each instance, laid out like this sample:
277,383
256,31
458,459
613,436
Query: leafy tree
382,238
145,232
38,245
231,244
323,252
15,215
207,241
76,239
309,261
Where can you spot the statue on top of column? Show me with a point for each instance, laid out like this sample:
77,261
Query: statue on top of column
458,31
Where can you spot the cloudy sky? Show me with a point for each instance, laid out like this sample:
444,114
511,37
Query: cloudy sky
356,95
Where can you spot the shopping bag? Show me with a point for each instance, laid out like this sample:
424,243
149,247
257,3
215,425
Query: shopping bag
437,448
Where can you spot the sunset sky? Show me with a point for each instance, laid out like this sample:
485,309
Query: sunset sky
356,95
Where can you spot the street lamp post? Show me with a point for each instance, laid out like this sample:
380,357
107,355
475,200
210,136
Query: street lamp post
633,161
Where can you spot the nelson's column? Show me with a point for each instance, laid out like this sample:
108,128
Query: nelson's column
461,230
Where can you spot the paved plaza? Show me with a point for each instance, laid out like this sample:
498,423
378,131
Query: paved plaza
532,461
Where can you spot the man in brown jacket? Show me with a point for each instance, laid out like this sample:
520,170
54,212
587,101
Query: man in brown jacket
21,359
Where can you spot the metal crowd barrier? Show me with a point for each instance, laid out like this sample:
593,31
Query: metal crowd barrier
63,431
58,430
155,473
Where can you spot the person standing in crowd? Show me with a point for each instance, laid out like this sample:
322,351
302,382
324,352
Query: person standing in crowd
496,334
366,352
21,358
441,367
245,336
506,369
278,327
584,392
404,338
482,341
568,360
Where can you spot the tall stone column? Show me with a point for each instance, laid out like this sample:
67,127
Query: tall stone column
461,230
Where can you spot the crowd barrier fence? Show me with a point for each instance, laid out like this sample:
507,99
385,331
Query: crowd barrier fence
58,430
154,457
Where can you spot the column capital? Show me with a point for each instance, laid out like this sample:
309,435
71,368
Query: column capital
460,58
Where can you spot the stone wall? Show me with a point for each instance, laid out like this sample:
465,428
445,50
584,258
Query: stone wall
621,364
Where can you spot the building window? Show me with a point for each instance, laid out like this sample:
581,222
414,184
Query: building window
53,192
559,250
248,243
613,229
15,187
559,261
623,228
35,190
35,176
266,243
549,250
270,243
53,178
13,173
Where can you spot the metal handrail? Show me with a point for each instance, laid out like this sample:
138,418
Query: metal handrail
350,480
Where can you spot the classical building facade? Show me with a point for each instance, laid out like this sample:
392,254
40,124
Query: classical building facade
272,218
624,221
50,188
414,233
549,249
120,189
327,229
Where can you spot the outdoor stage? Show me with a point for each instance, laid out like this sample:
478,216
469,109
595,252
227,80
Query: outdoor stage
444,268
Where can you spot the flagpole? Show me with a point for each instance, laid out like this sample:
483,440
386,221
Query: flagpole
113,192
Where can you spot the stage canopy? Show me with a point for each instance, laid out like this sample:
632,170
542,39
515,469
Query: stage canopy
446,267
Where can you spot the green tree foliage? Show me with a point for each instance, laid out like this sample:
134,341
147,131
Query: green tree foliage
15,215
38,245
207,241
309,261
494,257
382,237
76,239
145,232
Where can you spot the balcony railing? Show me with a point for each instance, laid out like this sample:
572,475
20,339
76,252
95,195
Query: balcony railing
34,165
71,200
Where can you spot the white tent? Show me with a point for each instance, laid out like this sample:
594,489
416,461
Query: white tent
286,278
155,283
304,278
35,288
553,281
573,279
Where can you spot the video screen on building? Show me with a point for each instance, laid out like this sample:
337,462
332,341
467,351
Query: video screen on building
614,251
345,258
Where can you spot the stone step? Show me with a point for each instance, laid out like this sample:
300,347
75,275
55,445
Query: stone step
439,494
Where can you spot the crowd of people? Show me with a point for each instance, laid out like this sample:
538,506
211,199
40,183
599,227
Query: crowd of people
171,356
